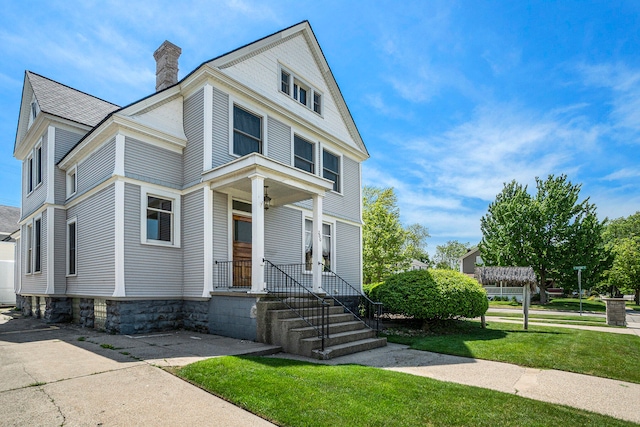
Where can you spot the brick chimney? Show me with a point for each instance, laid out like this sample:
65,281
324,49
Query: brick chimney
166,65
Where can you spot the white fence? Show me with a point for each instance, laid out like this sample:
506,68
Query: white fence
7,293
504,291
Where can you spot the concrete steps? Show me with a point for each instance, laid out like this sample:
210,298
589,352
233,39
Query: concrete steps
279,325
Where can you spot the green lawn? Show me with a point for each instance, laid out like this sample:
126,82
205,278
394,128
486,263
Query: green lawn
587,352
556,319
293,393
566,304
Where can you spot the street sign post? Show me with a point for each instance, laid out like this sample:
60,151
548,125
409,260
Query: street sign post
580,268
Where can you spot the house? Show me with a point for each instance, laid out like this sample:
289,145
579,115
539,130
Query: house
189,207
470,260
9,217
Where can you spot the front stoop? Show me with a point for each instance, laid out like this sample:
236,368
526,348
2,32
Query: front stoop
278,325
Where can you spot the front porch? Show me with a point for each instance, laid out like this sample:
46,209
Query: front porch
259,183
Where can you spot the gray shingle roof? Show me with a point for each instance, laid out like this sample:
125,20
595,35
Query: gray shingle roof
63,101
9,217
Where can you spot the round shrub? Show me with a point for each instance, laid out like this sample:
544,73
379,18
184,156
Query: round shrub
432,295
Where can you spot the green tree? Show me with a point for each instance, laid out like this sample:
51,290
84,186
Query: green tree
415,244
619,236
625,272
551,231
448,255
383,237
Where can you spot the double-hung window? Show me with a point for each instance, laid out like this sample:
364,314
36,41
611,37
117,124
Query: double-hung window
30,174
331,169
37,245
303,157
326,246
29,242
72,244
37,156
247,132
160,218
72,181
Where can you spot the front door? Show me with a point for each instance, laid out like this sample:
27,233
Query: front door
241,251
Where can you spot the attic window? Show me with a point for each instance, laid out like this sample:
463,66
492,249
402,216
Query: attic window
296,88
33,111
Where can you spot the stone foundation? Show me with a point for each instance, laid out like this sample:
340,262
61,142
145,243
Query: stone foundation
57,310
23,304
137,317
86,313
616,311
195,316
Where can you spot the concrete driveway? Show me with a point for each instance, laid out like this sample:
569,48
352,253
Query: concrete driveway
65,375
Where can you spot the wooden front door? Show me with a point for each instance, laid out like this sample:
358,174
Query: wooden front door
241,251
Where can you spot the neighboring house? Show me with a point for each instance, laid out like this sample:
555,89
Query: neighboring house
132,217
470,260
9,217
418,265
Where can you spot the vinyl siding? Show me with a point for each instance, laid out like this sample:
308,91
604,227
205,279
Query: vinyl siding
220,129
35,283
60,249
220,227
279,138
96,245
193,118
65,141
347,258
347,204
193,243
150,163
283,235
97,167
31,202
150,271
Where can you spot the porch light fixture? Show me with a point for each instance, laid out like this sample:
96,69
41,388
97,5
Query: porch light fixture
267,199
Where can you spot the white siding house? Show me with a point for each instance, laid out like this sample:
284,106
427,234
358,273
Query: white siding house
166,213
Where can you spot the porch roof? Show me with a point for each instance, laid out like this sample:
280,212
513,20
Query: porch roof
287,184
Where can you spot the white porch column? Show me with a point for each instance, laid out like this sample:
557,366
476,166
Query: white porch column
316,268
257,233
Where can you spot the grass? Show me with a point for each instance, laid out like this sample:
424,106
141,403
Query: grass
564,304
293,393
556,319
600,354
108,346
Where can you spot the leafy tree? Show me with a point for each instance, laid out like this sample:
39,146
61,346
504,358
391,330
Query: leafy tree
448,255
383,237
625,272
551,231
416,242
622,236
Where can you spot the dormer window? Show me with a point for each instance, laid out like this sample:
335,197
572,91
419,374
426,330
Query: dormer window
296,88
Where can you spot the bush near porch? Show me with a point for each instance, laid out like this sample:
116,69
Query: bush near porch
431,295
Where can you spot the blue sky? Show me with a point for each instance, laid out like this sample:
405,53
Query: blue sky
452,98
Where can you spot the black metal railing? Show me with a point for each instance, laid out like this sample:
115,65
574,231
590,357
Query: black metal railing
352,299
232,274
313,309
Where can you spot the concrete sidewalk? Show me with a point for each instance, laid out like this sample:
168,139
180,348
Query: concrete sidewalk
64,375
618,399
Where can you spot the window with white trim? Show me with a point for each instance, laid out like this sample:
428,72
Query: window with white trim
160,217
72,246
37,245
37,157
34,109
296,88
30,173
72,181
303,154
29,248
247,132
327,247
331,168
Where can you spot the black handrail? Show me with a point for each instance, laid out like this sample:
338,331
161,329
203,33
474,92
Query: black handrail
352,299
301,300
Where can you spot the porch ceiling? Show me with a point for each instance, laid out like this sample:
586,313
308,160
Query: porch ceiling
286,183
